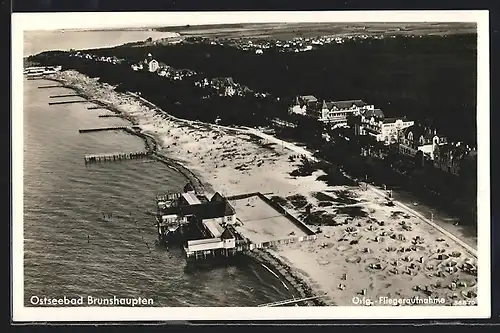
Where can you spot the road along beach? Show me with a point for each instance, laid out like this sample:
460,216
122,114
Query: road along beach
366,248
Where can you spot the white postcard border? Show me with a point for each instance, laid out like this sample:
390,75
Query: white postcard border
49,21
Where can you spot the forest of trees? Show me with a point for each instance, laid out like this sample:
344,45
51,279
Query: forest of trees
431,79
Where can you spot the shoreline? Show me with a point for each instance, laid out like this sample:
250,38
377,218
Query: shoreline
361,251
150,141
261,257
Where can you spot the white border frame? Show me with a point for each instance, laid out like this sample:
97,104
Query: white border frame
51,21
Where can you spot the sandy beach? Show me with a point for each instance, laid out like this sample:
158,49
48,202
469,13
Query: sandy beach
366,249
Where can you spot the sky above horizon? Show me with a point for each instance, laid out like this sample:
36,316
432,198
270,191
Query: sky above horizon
99,20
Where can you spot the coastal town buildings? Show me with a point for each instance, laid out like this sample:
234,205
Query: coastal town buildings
419,138
411,139
224,86
372,122
389,129
334,113
304,105
154,66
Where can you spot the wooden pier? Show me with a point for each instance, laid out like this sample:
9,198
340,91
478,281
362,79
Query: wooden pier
109,157
70,102
290,301
113,128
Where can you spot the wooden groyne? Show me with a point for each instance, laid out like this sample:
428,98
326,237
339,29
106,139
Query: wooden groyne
69,102
109,116
65,95
52,86
113,128
109,157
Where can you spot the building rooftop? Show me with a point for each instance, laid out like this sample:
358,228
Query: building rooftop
418,131
393,120
308,98
191,198
347,104
376,113
218,206
214,228
203,241
227,234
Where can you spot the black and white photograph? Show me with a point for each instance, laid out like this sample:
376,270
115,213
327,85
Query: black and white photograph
245,166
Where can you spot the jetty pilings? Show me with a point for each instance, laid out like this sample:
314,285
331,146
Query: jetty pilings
52,86
109,157
109,115
113,128
65,95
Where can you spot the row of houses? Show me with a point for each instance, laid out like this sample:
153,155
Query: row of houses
443,154
82,55
297,44
226,86
366,120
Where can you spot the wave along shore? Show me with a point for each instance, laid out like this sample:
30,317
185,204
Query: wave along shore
126,106
366,248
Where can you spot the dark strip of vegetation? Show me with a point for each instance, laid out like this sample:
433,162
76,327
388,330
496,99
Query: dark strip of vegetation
430,79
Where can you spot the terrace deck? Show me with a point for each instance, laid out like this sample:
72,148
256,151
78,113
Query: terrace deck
261,223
